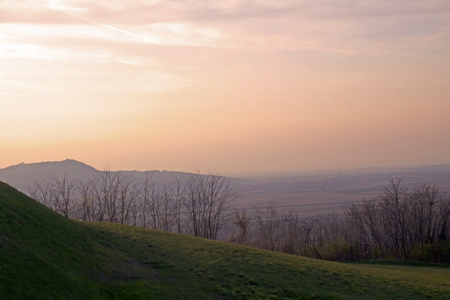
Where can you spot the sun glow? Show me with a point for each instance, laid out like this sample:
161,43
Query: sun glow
56,5
64,6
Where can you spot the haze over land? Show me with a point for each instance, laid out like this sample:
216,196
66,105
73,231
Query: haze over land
250,87
311,193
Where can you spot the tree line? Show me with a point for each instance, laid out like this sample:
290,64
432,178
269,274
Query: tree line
192,203
400,223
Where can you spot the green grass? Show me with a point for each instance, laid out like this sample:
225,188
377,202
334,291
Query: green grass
45,256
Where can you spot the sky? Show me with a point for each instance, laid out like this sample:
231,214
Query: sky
250,87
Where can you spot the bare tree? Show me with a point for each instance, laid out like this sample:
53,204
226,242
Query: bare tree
128,192
241,222
300,230
269,227
161,207
178,190
400,224
394,218
207,200
41,192
147,188
63,194
86,193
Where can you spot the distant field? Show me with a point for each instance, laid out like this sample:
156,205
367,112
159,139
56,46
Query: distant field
309,203
319,194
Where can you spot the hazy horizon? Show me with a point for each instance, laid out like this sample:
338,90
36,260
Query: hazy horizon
248,87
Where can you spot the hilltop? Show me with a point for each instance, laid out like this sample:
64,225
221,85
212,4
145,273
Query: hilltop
23,176
46,256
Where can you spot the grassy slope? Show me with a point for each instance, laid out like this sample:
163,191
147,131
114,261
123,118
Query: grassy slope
43,255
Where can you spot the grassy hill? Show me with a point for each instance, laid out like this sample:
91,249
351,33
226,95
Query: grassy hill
45,256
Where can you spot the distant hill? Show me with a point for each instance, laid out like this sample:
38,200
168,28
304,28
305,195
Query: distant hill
23,176
46,256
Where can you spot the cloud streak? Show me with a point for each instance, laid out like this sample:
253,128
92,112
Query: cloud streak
345,26
139,37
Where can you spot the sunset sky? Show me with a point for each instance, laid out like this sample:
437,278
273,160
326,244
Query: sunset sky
243,86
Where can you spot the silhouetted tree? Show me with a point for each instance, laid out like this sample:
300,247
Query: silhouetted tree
207,200
241,222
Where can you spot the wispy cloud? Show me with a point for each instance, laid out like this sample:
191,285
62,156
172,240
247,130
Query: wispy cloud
344,26
107,32
146,39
